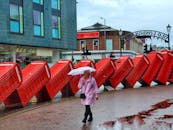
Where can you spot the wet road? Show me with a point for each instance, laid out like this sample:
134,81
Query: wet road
68,113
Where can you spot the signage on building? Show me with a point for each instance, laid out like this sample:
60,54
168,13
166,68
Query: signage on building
84,35
25,50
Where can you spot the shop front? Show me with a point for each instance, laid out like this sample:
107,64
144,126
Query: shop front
23,55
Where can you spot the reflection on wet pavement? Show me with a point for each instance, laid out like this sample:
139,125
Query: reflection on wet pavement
143,120
149,125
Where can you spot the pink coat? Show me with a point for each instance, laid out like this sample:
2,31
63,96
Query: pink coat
90,89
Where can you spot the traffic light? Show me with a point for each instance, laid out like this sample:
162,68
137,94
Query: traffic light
145,48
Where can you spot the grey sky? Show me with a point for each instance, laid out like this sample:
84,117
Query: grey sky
131,15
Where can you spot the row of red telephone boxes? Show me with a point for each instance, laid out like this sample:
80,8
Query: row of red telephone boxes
17,86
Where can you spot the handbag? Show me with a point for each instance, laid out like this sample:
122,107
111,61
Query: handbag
82,96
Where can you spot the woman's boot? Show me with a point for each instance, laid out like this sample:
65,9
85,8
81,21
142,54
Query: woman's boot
91,117
85,117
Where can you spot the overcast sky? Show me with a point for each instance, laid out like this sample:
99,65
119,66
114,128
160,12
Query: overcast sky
130,15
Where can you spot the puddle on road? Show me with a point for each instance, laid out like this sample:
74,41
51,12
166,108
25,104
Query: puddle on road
143,120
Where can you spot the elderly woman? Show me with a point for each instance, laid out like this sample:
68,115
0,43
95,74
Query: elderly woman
89,88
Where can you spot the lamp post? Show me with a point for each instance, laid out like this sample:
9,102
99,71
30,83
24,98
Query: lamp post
104,31
168,27
120,34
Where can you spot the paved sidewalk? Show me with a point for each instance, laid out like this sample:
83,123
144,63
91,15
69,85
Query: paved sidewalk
68,113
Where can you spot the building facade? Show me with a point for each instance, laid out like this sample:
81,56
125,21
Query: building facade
36,29
102,37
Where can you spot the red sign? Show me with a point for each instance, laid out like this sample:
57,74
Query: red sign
84,35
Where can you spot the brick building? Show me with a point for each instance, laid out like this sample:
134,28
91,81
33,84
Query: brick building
102,37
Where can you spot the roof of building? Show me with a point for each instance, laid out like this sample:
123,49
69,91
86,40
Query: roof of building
97,27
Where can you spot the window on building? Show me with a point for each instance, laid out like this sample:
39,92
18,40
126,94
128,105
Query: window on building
82,44
38,1
55,4
56,19
38,23
56,27
16,18
95,44
109,44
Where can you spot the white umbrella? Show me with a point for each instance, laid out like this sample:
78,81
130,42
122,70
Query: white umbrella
81,70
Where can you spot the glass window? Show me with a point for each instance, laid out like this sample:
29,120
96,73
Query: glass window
37,17
37,30
54,4
38,1
21,19
59,27
55,27
38,22
14,11
42,24
54,21
95,44
82,44
55,33
16,18
14,26
59,4
108,44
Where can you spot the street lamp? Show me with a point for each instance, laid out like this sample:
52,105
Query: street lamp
120,34
168,27
104,30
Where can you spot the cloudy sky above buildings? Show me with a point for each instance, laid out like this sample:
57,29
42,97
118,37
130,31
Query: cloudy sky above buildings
131,15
